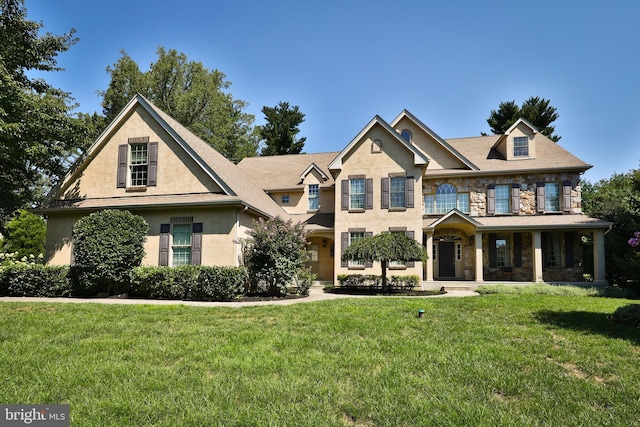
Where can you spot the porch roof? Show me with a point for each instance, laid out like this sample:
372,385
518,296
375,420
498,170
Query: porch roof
514,222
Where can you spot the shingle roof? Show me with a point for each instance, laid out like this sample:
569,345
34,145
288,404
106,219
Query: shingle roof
549,155
283,172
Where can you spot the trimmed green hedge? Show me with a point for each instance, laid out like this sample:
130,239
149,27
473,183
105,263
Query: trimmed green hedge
35,281
372,281
189,282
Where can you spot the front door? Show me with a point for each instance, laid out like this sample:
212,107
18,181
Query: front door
446,260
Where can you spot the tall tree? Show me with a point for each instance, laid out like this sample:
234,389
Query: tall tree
192,94
38,130
280,131
617,199
537,111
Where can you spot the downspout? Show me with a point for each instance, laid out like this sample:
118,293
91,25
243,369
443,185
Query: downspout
237,239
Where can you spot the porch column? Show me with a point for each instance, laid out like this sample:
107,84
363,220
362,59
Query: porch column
536,237
479,268
599,277
429,262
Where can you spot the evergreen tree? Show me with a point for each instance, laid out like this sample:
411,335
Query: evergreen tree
537,111
280,131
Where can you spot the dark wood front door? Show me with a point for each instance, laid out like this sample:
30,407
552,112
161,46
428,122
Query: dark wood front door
446,260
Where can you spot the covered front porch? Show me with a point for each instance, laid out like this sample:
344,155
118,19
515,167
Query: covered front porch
519,249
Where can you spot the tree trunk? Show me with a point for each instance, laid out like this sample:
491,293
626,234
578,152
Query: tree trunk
384,277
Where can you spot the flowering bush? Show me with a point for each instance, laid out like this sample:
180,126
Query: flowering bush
11,259
635,240
274,253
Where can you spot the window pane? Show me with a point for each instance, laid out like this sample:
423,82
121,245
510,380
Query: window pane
429,203
463,202
313,197
181,244
356,193
503,201
139,154
181,256
354,237
398,198
445,198
553,250
552,197
138,164
521,146
503,250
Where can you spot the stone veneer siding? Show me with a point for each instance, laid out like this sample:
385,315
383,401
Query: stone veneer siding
477,189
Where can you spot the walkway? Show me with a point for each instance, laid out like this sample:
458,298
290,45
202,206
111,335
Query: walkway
315,294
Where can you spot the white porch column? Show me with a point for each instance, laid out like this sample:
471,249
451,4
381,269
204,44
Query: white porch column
536,237
478,241
599,277
429,261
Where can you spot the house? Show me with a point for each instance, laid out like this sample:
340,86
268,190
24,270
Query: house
500,207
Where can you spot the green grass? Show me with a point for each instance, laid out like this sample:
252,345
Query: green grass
493,360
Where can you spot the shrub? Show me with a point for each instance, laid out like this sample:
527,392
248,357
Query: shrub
303,281
107,245
26,234
189,282
35,281
274,253
628,315
370,281
219,283
157,282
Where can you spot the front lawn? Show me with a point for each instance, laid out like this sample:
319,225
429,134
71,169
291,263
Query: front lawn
493,360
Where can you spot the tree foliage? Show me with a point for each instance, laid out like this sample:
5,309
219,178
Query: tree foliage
26,234
537,111
280,131
106,246
190,93
38,131
617,199
275,254
385,247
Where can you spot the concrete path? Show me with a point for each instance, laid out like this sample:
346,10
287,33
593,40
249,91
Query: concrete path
315,294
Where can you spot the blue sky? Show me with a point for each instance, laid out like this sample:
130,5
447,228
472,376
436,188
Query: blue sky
342,62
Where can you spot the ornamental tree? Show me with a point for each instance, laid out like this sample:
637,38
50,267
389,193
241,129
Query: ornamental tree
385,247
274,252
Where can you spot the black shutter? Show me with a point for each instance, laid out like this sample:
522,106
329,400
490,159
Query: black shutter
409,192
344,243
385,193
566,196
163,259
196,243
345,194
540,196
411,234
493,255
515,198
491,199
123,152
568,249
368,263
368,193
153,164
517,249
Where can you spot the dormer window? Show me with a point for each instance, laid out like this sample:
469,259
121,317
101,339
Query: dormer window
406,135
520,146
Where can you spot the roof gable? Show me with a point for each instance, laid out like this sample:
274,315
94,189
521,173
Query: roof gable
419,158
228,177
407,115
313,167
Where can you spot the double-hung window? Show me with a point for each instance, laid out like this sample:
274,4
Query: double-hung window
397,194
552,197
139,164
313,197
503,199
356,193
353,238
503,250
181,246
520,146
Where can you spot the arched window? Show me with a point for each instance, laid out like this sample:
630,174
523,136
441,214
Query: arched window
445,198
406,134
